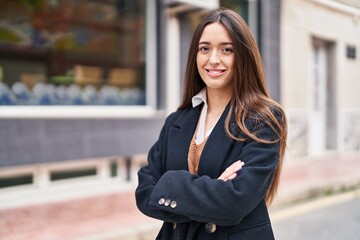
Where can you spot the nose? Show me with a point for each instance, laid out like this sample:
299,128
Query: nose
214,58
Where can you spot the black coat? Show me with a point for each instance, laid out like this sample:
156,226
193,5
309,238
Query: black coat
201,206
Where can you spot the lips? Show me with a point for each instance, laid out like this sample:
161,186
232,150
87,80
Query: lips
215,72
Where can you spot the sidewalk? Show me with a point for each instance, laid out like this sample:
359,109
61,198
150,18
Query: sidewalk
115,216
311,177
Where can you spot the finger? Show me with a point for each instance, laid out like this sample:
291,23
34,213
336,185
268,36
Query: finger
231,170
235,166
222,177
237,163
231,177
225,175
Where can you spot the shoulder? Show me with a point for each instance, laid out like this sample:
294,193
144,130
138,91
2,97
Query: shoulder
268,123
273,113
178,114
278,112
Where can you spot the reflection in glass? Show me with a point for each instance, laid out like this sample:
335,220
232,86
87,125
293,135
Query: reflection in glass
72,52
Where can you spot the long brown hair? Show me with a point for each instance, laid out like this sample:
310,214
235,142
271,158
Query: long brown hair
251,96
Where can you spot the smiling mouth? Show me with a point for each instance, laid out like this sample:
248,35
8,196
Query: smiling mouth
214,72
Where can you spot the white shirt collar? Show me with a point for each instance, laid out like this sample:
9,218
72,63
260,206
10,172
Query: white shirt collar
199,98
196,101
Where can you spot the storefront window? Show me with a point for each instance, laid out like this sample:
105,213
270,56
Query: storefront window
72,52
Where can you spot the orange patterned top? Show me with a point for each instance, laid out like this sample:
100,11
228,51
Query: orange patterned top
194,154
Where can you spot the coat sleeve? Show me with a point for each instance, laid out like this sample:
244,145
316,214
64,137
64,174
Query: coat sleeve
224,203
149,176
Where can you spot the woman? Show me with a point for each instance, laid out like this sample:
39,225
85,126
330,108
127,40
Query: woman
216,164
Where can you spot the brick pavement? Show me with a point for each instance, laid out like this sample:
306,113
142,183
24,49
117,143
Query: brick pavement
310,177
71,219
115,216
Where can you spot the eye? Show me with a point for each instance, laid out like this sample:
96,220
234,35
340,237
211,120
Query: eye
227,50
203,49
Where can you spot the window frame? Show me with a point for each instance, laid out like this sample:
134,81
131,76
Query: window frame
119,111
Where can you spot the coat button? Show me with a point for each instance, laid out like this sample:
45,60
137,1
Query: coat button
167,202
173,204
161,201
210,227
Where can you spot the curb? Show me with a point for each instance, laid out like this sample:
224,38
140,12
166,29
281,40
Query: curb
147,231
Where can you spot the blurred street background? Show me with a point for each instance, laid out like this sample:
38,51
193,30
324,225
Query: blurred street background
85,86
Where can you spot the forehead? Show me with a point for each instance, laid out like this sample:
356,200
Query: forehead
215,32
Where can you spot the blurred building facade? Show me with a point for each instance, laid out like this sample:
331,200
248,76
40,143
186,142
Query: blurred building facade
85,85
320,71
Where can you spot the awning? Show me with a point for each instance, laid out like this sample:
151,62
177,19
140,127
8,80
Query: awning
189,5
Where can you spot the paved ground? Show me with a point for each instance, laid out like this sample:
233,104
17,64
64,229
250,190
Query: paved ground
73,219
308,177
329,218
114,216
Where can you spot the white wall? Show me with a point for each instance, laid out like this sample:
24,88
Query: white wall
301,20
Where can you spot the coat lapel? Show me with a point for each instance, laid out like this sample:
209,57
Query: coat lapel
180,135
216,149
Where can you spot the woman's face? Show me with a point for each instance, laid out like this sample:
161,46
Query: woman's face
215,57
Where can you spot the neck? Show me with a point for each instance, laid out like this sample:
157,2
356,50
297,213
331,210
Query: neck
218,99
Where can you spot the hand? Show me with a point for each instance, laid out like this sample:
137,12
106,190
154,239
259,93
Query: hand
230,172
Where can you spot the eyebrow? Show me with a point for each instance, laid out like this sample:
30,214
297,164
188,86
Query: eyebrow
223,43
